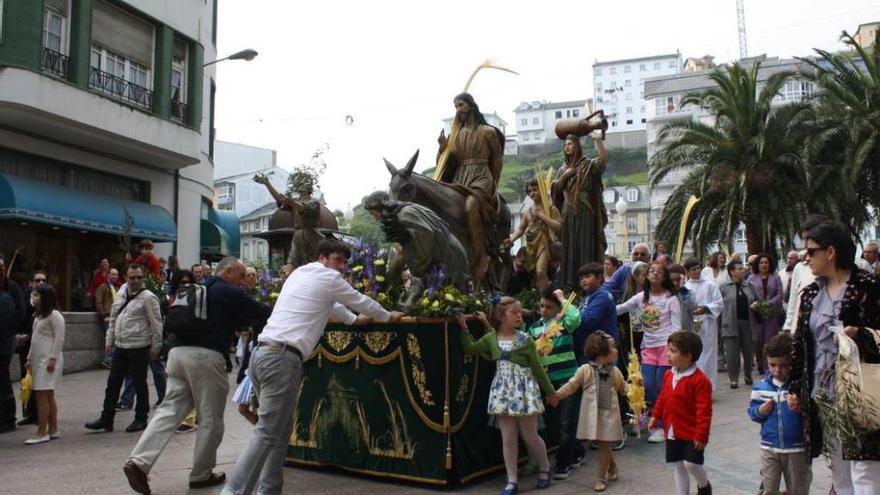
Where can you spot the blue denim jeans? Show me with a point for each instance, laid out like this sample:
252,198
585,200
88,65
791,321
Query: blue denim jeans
653,376
159,381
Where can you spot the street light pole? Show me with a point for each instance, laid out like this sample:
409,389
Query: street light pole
247,55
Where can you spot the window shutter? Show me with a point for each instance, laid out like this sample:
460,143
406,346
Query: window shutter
59,6
120,32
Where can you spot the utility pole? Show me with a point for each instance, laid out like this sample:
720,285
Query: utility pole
741,26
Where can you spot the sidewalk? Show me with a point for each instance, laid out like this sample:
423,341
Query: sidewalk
82,462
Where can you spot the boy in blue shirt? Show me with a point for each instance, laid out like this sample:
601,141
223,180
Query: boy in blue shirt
783,451
556,353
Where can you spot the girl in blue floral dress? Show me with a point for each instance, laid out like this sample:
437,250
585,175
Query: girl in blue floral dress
515,394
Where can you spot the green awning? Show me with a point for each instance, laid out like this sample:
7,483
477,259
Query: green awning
220,234
30,200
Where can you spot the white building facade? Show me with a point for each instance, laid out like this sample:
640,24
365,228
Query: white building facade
618,89
235,166
536,121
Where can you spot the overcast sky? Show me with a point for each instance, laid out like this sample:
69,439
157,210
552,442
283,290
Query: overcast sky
395,66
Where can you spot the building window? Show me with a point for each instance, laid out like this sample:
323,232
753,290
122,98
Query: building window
627,69
524,122
795,91
613,70
631,223
643,120
672,64
740,235
643,67
53,31
609,195
246,251
108,76
629,96
575,113
665,105
627,83
656,65
642,110
525,137
598,71
629,109
178,80
535,120
225,191
629,122
613,123
559,114
264,223
598,87
632,195
568,113
630,245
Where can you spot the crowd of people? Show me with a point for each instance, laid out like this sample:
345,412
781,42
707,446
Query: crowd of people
782,325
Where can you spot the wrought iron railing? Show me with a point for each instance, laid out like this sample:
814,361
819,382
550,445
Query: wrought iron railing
178,110
119,87
55,63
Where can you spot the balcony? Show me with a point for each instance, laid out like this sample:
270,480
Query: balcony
55,63
120,88
178,110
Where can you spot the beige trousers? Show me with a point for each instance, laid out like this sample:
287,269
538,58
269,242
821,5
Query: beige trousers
794,467
196,378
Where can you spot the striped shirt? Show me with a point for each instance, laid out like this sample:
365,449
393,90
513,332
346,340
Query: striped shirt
560,364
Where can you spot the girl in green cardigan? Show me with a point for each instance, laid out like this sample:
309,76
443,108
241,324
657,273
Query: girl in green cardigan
515,394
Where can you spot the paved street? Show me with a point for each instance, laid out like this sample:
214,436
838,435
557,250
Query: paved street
90,463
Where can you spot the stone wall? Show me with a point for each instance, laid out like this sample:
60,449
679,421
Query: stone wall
83,344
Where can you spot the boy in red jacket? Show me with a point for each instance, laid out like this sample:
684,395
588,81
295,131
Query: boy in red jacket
685,409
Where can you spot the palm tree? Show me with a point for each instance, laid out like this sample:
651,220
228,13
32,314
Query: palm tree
843,132
744,167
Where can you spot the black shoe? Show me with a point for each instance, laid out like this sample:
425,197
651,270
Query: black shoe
749,381
213,480
561,472
136,425
137,479
579,458
123,406
101,424
734,385
706,490
594,445
7,428
31,420
619,445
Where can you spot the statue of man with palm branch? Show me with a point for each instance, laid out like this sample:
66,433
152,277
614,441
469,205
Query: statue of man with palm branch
474,167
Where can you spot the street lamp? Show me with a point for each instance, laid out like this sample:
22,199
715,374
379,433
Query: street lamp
247,55
621,206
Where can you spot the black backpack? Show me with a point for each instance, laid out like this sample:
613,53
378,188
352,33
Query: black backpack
187,316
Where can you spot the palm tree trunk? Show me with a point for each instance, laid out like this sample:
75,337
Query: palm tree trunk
754,237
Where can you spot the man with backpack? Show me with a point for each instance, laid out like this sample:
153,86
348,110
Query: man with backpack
202,321
136,332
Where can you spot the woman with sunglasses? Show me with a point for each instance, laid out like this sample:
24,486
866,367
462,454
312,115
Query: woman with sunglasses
843,296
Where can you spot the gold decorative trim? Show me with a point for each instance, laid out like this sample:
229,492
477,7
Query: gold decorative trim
462,388
377,341
467,410
338,339
378,474
418,369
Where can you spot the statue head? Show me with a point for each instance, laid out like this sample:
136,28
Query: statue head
573,151
465,106
401,187
375,202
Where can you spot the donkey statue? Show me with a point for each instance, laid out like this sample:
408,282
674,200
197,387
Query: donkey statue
449,203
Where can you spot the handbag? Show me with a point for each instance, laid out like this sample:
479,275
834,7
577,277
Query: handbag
853,374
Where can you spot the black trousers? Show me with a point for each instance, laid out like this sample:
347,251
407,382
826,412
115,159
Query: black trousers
136,361
7,396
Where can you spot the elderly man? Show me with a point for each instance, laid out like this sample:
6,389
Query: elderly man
197,378
136,332
871,255
617,284
313,294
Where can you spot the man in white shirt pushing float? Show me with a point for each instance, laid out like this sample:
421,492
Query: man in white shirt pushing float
314,293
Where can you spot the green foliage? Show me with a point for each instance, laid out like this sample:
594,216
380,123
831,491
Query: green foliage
366,227
745,167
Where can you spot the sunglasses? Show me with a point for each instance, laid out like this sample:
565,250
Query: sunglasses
812,251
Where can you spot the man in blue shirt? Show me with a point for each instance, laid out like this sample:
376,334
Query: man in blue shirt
617,284
598,308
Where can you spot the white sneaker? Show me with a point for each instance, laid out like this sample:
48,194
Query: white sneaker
55,436
656,436
36,440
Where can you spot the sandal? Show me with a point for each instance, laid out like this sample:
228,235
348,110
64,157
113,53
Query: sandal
600,486
612,473
543,482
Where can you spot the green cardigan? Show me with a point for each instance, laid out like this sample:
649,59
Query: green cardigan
525,355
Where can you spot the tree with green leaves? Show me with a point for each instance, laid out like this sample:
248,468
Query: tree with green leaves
842,132
744,165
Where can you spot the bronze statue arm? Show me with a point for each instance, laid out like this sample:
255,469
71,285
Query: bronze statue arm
553,223
280,199
520,229
602,160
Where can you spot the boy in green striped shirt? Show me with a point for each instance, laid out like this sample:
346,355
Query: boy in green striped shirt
555,343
